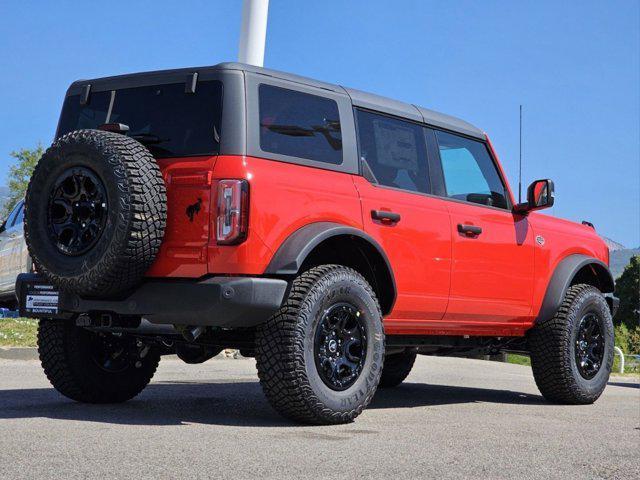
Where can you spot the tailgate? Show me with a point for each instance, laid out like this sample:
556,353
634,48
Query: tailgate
184,249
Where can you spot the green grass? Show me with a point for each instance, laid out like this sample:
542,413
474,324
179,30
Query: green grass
18,332
518,359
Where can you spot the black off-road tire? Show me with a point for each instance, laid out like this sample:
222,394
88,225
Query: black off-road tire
66,356
397,368
552,346
136,211
285,348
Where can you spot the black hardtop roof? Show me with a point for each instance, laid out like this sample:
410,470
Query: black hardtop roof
358,98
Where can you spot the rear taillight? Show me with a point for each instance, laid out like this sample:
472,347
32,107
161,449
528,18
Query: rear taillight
232,216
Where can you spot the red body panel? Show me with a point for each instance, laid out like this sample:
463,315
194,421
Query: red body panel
283,198
448,283
561,238
492,273
418,248
184,251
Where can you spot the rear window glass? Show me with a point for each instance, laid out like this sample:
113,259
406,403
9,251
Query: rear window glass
170,122
78,117
299,125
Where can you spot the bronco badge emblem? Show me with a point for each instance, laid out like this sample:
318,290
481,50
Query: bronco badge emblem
540,240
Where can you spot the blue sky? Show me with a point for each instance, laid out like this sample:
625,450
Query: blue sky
573,65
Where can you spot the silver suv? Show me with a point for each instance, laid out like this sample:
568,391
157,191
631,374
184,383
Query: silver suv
14,257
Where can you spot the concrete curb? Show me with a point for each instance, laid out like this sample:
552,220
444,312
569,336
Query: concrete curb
18,353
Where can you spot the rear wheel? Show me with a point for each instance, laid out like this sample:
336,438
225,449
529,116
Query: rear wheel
320,357
397,368
94,367
572,353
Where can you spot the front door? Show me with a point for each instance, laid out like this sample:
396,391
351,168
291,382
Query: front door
412,227
493,253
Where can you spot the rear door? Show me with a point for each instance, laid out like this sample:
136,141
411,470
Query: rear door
493,254
412,227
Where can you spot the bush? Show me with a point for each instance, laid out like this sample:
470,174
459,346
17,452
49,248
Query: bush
634,341
628,291
627,340
19,175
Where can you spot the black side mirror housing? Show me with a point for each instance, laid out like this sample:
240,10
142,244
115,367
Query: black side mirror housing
540,195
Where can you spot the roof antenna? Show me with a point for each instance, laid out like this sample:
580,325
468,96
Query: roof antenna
520,164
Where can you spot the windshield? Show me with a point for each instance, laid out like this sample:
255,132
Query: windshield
170,122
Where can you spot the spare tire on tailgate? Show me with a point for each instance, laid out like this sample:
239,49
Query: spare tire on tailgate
95,213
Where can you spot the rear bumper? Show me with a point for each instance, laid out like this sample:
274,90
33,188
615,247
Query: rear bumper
229,302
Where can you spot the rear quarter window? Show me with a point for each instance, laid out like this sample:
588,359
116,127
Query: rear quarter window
299,125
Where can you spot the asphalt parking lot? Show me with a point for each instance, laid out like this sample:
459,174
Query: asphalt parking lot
453,418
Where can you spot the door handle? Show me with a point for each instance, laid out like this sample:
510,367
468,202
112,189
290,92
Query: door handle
471,230
383,216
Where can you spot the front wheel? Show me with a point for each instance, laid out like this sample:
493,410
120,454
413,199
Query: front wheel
572,353
320,356
94,367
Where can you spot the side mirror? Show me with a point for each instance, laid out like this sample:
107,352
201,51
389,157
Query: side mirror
539,196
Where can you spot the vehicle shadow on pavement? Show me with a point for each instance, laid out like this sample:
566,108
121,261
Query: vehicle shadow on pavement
231,404
625,384
161,403
410,395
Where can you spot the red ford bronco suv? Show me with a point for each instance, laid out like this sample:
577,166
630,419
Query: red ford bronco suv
330,233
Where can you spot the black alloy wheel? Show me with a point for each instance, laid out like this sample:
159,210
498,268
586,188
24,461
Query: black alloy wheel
77,211
113,354
340,346
589,350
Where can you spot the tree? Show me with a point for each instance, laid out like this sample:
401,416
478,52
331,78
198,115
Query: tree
628,291
19,175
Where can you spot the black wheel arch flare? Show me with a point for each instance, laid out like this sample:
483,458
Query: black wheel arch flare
563,277
291,255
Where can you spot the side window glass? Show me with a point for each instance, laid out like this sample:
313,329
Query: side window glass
469,172
20,215
394,150
12,216
300,125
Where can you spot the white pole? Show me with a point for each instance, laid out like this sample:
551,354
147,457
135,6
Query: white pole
619,351
253,32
